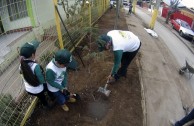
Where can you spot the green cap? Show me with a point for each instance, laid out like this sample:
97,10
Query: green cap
65,57
102,41
29,48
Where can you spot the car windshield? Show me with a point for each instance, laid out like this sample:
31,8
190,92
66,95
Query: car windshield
185,25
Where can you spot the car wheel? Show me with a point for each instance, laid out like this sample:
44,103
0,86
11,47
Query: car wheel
181,33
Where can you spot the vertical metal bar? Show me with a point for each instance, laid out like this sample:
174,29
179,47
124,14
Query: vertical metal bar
69,35
89,12
58,26
155,14
101,8
97,3
134,5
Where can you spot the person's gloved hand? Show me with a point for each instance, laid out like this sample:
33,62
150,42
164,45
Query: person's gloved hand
65,91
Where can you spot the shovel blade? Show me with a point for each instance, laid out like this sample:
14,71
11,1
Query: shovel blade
107,92
104,91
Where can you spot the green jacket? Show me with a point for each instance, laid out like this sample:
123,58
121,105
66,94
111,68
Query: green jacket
117,61
51,77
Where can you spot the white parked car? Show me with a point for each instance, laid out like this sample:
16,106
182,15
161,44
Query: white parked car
183,28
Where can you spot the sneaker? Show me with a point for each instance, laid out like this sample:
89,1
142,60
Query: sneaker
72,100
65,107
172,122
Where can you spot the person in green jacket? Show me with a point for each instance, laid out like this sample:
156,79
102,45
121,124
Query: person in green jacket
56,76
125,46
32,73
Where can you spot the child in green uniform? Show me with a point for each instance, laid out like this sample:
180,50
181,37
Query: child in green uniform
56,76
32,73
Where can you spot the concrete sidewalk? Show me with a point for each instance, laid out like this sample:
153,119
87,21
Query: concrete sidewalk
163,93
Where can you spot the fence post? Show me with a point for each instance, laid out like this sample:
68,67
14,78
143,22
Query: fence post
106,3
99,9
57,21
97,4
101,5
155,14
90,13
134,5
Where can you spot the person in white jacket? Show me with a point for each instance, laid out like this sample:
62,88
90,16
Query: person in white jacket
125,46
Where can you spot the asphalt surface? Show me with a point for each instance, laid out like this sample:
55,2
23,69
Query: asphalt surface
164,91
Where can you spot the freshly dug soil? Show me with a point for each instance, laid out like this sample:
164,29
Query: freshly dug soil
121,108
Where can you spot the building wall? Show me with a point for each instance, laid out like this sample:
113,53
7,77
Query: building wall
188,14
43,12
11,25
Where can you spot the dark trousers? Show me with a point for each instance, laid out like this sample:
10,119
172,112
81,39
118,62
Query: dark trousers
61,97
41,97
130,10
127,57
186,119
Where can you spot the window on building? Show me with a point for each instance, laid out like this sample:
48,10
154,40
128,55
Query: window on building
2,7
17,9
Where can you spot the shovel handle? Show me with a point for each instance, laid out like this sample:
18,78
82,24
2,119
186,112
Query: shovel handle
106,85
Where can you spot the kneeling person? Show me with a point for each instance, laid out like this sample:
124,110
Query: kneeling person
56,76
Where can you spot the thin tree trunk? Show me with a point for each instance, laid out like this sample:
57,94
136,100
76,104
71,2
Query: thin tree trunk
168,16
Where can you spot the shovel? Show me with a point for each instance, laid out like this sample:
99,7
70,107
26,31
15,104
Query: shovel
104,89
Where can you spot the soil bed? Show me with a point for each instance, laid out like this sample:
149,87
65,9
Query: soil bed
121,108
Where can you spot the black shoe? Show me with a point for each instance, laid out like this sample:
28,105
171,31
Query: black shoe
50,105
116,77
